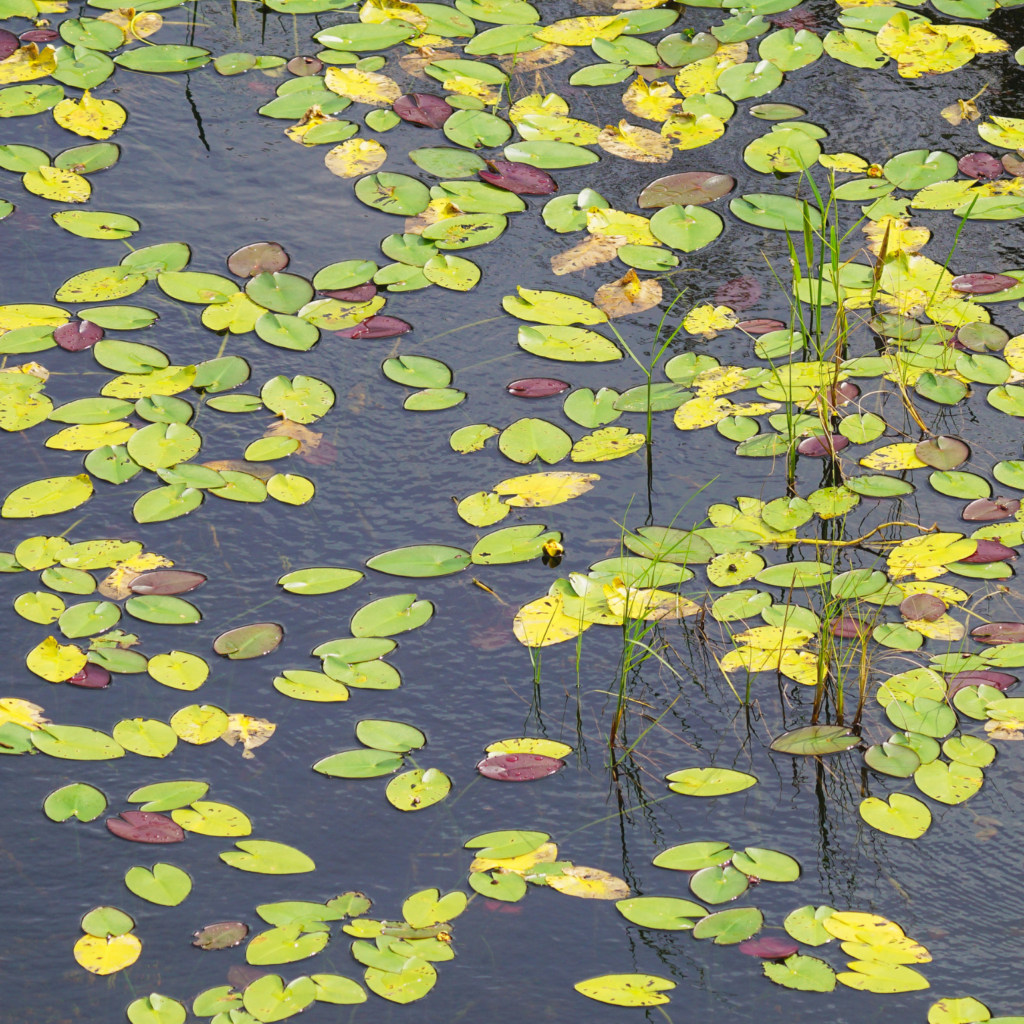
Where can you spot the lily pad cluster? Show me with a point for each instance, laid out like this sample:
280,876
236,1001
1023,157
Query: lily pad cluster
386,747
505,861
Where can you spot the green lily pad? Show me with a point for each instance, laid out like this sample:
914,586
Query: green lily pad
78,800
421,560
719,884
708,782
803,973
728,927
666,913
694,856
389,616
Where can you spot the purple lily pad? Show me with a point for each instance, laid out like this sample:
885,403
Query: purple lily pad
923,606
92,677
982,677
770,947
304,66
980,165
222,935
376,327
691,188
987,510
760,326
8,43
983,284
842,394
519,767
423,108
848,627
145,827
258,258
537,387
77,335
739,293
818,447
361,293
522,179
166,582
997,633
943,453
990,551
39,36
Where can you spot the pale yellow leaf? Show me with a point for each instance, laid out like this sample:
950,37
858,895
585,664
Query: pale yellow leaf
539,490
708,321
655,101
57,184
363,86
635,229
27,63
633,143
107,955
355,157
94,119
542,623
589,883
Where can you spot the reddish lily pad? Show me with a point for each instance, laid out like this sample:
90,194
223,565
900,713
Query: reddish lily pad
760,326
145,827
980,677
519,767
980,165
818,447
423,108
376,327
222,935
691,188
8,43
166,582
77,335
92,677
842,394
537,387
39,36
304,66
849,627
943,453
769,947
999,633
739,293
983,284
522,179
252,641
990,551
361,293
923,606
987,510
258,258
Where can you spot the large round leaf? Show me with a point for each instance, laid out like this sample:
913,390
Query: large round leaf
686,227
421,560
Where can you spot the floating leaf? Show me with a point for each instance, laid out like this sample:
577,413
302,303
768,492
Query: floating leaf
709,782
626,989
902,816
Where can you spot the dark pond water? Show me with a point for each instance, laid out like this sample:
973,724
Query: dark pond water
199,165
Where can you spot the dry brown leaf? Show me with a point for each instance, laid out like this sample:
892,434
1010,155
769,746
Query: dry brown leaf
439,209
589,253
634,143
547,56
628,295
962,110
250,732
308,439
414,63
141,25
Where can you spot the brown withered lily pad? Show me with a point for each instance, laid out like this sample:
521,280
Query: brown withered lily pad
222,935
